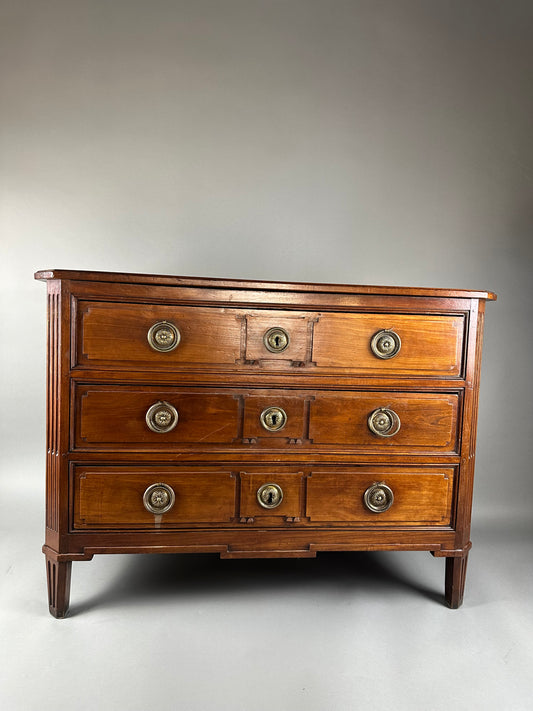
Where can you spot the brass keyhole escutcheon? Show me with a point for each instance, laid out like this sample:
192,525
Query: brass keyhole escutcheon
273,419
385,344
269,496
159,498
163,336
162,417
276,339
384,422
378,497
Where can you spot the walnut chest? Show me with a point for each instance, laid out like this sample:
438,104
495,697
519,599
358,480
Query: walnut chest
257,419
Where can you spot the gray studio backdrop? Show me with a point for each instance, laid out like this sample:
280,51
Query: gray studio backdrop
380,142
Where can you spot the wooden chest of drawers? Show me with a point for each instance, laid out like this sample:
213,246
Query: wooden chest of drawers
257,419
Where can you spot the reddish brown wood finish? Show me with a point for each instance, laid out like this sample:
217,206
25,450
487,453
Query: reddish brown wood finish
430,345
428,421
58,573
291,508
254,285
421,496
113,416
455,580
113,498
111,335
116,334
103,375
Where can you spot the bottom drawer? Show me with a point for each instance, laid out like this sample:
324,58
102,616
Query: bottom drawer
137,497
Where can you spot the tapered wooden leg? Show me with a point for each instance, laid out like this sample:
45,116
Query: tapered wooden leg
58,576
455,580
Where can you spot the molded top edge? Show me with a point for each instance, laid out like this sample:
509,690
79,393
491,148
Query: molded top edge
216,282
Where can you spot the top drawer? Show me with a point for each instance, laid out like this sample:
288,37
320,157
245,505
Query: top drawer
172,338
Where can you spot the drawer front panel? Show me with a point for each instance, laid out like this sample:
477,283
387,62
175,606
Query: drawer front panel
427,421
118,497
290,486
429,345
115,335
119,417
118,335
421,496
113,497
264,413
277,339
110,416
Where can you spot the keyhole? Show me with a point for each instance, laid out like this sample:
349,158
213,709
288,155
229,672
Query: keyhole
276,340
273,419
269,496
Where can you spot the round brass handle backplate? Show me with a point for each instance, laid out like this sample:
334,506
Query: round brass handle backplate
384,422
162,417
378,497
270,496
273,419
385,344
276,339
159,498
163,336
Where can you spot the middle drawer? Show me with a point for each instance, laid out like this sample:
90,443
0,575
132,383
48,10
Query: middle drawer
127,417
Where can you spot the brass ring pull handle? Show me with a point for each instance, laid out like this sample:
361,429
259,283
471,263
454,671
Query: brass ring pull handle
384,422
276,340
273,419
385,344
159,498
378,497
163,336
270,496
161,417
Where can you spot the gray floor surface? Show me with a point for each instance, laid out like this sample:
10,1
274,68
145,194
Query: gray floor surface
194,633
